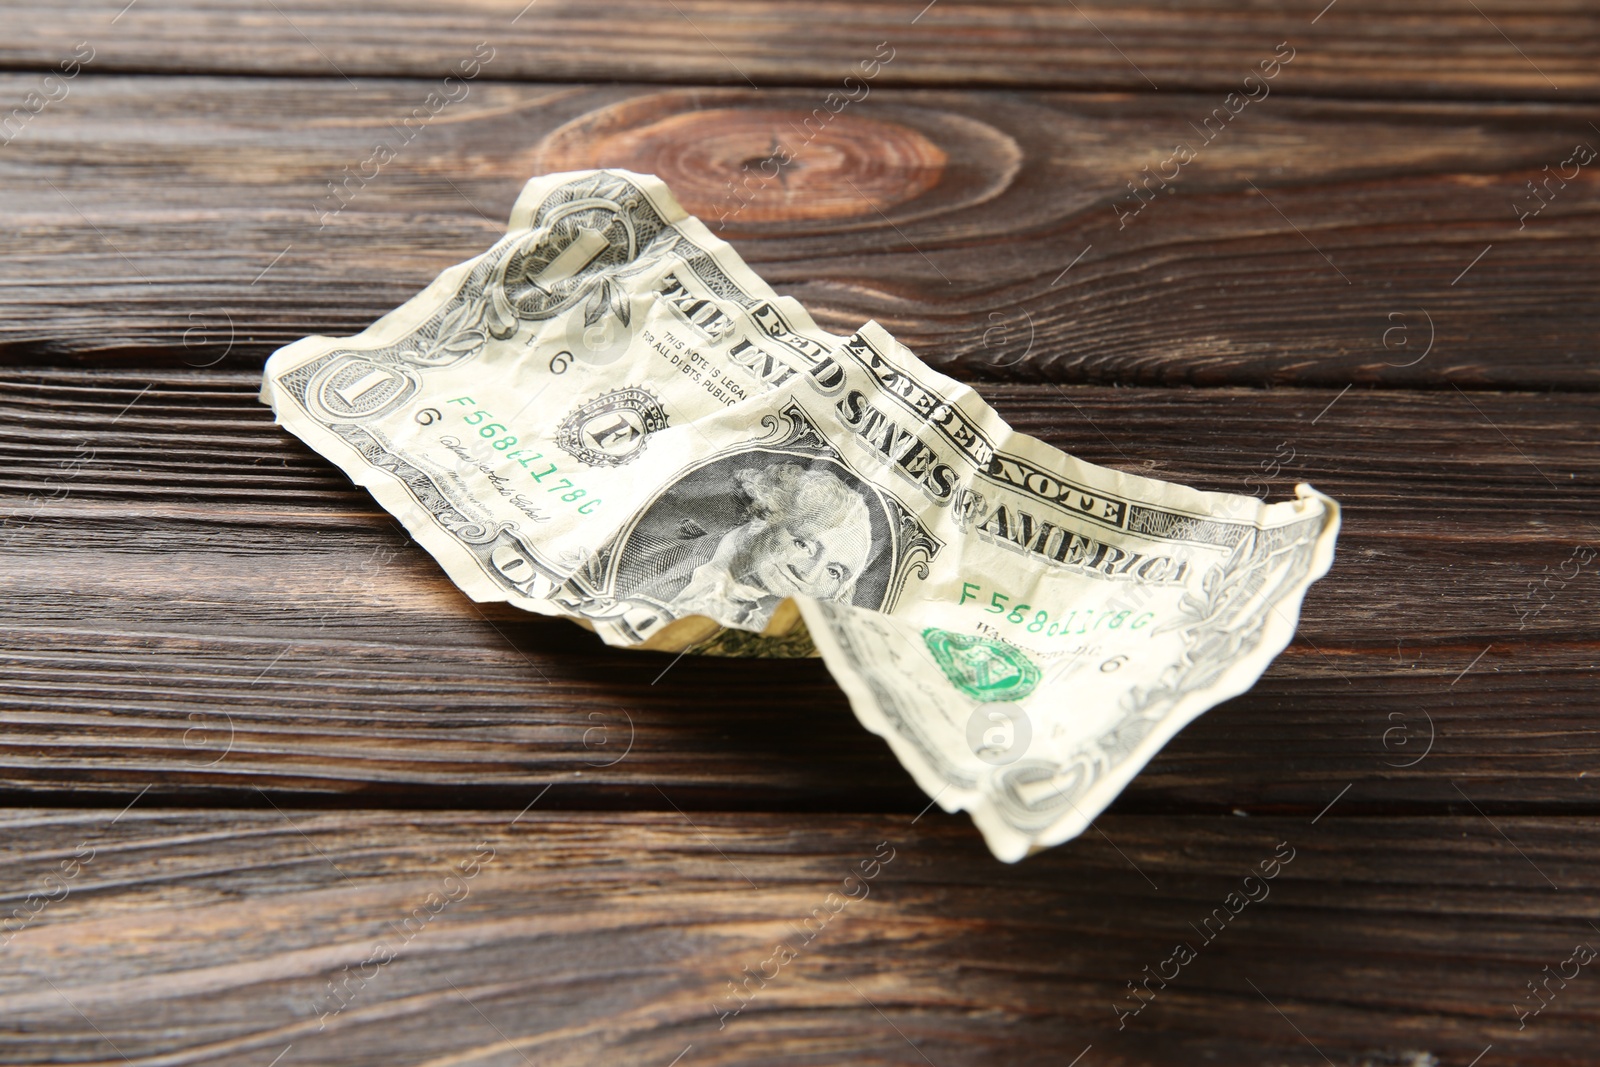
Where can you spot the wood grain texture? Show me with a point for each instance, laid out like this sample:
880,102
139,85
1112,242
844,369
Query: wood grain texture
1498,50
204,604
191,220
233,937
209,638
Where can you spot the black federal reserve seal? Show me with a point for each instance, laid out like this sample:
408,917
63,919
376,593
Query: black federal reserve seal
611,429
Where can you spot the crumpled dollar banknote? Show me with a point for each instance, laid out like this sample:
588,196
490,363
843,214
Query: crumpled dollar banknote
609,417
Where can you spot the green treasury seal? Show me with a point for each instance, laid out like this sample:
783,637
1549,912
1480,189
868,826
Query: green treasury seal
983,669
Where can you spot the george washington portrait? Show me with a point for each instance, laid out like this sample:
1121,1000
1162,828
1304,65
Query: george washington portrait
793,530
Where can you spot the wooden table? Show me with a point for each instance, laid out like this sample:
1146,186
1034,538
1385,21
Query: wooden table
277,794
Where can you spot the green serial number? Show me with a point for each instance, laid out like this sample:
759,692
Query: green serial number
506,443
1038,620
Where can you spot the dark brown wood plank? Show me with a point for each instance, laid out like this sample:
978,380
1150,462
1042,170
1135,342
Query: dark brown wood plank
1311,242
224,938
204,605
1435,48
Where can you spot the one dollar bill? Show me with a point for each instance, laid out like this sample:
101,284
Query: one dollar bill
609,417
